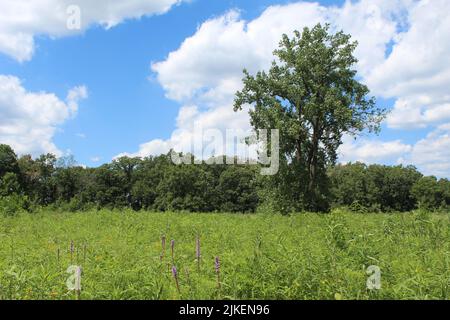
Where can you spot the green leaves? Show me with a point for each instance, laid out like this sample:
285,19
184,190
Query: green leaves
8,160
311,94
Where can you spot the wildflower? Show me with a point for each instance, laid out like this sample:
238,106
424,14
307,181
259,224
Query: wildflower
217,266
175,276
174,271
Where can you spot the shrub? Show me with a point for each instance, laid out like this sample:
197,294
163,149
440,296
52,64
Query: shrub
13,204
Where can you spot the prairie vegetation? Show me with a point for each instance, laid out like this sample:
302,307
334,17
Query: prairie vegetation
303,256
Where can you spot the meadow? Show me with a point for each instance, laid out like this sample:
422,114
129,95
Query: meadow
262,256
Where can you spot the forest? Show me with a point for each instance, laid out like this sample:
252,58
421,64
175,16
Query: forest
156,184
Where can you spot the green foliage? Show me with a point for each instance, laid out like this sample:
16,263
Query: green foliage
9,184
13,204
156,183
237,190
374,188
311,94
8,160
37,178
307,256
432,194
186,187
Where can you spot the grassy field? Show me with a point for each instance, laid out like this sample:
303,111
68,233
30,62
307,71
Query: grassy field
304,256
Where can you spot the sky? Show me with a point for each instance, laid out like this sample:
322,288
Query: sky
138,74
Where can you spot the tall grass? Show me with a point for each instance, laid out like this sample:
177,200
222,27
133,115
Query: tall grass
304,256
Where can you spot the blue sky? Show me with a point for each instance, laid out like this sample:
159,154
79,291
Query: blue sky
125,106
130,100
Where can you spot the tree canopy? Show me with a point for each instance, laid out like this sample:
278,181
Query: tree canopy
312,95
156,183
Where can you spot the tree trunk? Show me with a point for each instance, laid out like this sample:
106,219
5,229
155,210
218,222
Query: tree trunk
312,166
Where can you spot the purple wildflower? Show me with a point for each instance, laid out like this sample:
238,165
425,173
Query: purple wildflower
175,276
174,272
217,265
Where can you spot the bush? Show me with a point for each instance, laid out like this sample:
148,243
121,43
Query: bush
13,204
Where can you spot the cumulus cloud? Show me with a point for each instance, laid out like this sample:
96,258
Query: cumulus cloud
29,120
372,151
208,65
417,71
403,54
21,21
432,153
206,71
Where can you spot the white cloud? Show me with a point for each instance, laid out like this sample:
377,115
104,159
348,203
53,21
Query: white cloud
210,63
21,21
372,151
417,71
206,71
96,159
403,53
154,147
29,120
419,111
432,154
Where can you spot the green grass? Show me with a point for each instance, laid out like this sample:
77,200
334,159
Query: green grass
304,256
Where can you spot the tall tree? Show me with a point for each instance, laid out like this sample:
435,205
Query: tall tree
311,93
8,160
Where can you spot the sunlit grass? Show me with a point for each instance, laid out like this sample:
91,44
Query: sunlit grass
304,256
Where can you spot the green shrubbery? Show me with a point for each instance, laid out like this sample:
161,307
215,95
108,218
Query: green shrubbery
13,204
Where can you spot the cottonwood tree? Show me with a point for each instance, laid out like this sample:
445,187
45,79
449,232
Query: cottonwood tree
312,94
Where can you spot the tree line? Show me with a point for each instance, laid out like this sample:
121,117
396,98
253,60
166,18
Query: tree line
311,94
156,184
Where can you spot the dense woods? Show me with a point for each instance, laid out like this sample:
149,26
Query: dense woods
155,183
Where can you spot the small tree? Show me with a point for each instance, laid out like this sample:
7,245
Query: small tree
312,95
